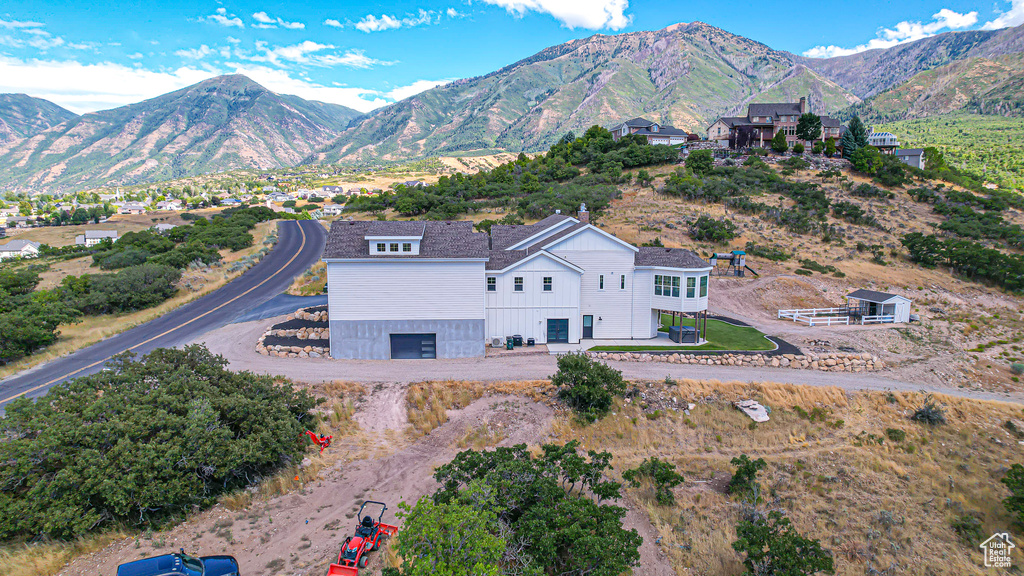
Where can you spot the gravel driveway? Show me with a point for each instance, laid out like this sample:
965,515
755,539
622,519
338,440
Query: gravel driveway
236,343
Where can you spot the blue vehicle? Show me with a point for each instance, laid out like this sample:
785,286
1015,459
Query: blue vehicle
180,564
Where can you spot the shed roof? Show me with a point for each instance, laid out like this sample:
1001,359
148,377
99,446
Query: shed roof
18,245
874,296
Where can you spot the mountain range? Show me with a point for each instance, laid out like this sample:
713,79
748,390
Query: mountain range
684,75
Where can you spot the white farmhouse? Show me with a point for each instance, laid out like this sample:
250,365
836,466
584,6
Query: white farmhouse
441,290
19,249
94,237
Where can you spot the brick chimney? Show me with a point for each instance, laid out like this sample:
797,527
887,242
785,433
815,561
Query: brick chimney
803,104
583,215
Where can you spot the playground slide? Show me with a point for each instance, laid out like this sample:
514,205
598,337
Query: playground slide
752,271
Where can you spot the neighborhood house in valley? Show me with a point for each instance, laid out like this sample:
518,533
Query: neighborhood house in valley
427,289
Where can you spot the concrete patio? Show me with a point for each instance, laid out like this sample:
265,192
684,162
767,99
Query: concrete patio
661,340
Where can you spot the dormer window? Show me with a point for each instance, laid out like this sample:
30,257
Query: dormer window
407,247
394,247
381,247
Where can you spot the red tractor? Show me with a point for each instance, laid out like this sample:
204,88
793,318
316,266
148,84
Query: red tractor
369,536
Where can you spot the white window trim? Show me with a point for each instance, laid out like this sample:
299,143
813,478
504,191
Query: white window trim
492,284
600,283
519,284
548,284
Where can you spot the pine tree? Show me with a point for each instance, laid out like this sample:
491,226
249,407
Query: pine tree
860,133
779,143
848,143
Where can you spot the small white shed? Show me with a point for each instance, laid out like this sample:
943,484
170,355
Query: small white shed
869,306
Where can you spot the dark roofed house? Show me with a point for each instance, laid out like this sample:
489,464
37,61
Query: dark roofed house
654,132
763,121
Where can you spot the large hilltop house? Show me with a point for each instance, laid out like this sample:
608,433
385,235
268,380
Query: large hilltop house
654,132
762,122
440,290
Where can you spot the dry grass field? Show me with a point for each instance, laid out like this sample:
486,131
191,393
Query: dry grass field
883,506
65,235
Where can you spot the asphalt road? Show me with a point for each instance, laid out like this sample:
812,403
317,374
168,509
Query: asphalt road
300,244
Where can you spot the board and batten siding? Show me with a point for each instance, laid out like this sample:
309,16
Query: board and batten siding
526,313
612,307
406,290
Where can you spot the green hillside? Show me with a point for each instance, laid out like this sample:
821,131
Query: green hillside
22,116
685,75
992,146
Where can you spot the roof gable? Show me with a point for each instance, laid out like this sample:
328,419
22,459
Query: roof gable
875,296
506,260
573,231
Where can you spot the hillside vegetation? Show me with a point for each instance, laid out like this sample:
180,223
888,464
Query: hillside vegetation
991,146
22,116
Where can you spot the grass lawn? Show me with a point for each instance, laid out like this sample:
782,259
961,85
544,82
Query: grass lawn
720,336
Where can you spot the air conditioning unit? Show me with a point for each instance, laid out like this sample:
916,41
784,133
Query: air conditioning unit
496,343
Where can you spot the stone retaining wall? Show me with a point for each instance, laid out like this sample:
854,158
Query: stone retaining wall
307,333
302,333
824,362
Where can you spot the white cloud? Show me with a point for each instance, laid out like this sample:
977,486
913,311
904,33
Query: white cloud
86,88
15,24
136,56
453,13
333,23
195,53
312,53
233,40
1012,17
403,92
373,24
265,21
589,14
221,17
902,33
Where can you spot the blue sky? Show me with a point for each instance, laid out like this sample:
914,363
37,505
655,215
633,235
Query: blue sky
90,55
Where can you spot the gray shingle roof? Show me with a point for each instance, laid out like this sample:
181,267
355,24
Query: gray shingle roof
663,131
537,246
90,234
910,152
871,295
778,109
638,122
18,245
504,235
829,122
347,239
501,259
669,258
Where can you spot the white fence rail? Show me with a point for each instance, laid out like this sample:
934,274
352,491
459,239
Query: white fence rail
812,312
832,316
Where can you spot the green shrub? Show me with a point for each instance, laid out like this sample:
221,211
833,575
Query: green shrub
773,253
700,162
798,148
1017,368
773,547
895,434
709,229
930,413
1014,481
744,480
142,442
779,143
968,530
586,385
661,474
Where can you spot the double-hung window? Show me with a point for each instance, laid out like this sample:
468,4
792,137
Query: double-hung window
547,283
675,286
691,287
518,284
492,284
703,286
